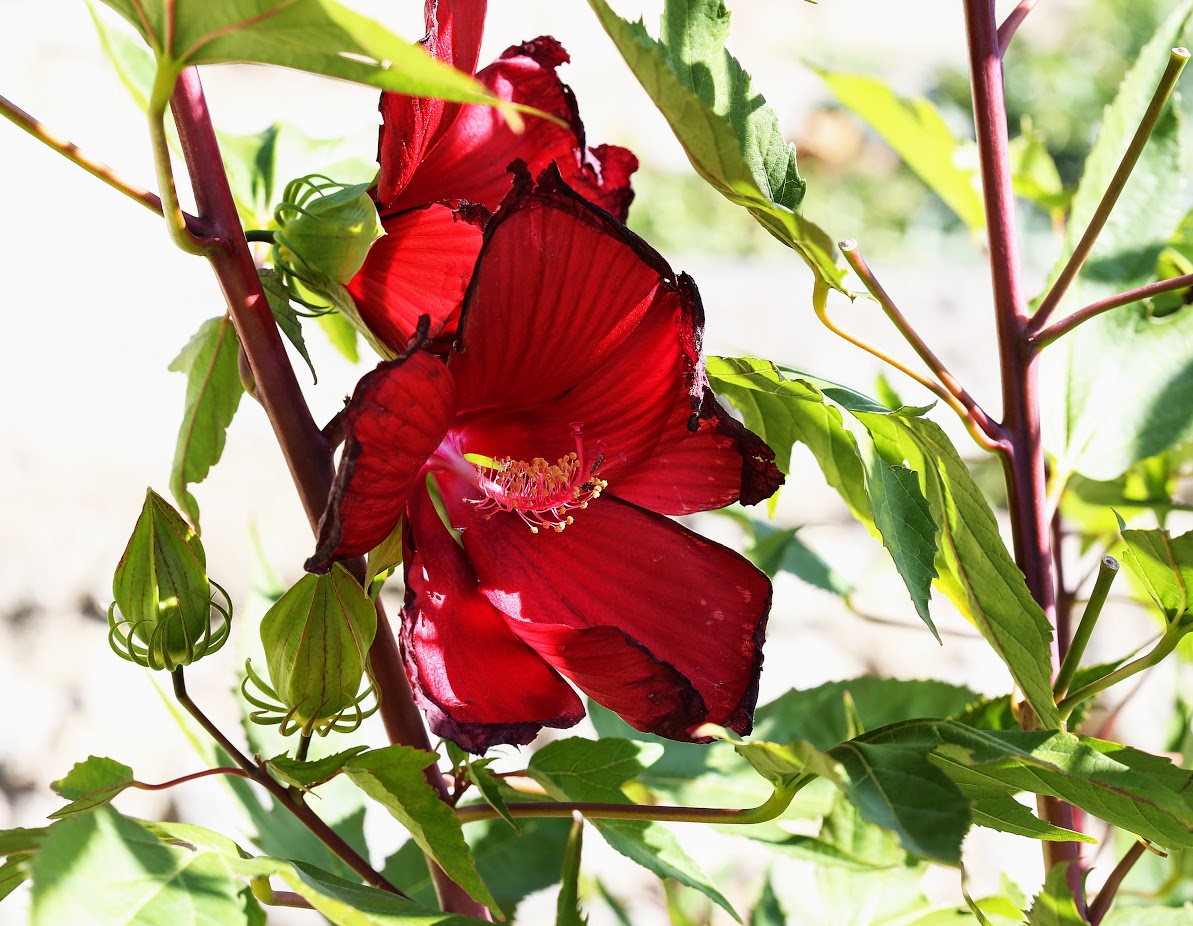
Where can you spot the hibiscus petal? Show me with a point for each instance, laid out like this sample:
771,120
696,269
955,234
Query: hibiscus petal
396,418
411,126
469,160
719,463
421,267
696,607
478,683
558,287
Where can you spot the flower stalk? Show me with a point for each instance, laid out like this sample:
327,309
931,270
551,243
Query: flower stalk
1164,646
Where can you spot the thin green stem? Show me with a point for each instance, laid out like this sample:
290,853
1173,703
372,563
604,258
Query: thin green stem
1084,314
329,837
1166,644
820,306
304,746
163,87
1176,64
771,808
969,409
260,234
1107,572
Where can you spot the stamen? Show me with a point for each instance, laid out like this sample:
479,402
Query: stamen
540,493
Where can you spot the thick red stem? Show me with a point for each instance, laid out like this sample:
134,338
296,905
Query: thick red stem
1024,461
303,445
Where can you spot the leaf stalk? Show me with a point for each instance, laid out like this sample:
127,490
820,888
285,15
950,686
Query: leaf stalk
1068,323
1107,572
1176,63
1165,645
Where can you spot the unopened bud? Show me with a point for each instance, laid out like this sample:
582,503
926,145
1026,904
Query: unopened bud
163,593
317,638
325,228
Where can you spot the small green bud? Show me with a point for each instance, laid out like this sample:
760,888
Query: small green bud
325,228
317,638
163,593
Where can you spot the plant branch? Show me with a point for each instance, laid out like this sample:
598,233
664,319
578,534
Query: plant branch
1166,644
221,770
159,99
1101,905
768,810
1107,572
1011,24
1147,125
1023,461
307,454
305,815
1057,329
969,407
820,305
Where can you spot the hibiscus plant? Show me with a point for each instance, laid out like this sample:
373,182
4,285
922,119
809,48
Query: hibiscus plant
510,471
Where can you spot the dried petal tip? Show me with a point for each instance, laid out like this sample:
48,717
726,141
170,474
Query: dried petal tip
163,594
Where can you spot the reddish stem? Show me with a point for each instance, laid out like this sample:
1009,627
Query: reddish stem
1069,322
1101,905
1024,459
1011,24
165,785
302,443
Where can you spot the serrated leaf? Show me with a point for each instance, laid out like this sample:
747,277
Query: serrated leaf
393,776
973,553
90,784
210,362
101,867
567,906
1054,905
918,133
307,775
285,315
731,136
885,497
774,551
1164,566
22,840
1116,383
13,873
584,770
320,36
1142,793
489,788
1007,815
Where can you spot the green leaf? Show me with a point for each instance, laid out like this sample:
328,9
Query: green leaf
515,865
883,496
567,906
1054,905
393,776
731,136
489,788
768,911
1141,793
1120,915
319,36
1005,814
91,783
1164,566
1117,382
285,315
101,867
775,551
584,770
307,775
21,840
213,389
972,553
342,335
133,62
1034,175
13,873
919,135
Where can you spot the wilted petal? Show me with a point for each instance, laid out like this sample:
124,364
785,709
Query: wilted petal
691,604
396,418
412,126
421,267
719,463
478,683
469,160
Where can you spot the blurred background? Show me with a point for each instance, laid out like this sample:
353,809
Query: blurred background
97,303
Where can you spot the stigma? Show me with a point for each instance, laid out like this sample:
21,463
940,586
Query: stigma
541,493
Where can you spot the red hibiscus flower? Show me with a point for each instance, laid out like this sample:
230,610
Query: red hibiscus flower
572,415
444,169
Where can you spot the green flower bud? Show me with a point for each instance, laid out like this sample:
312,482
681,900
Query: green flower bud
163,594
317,638
325,228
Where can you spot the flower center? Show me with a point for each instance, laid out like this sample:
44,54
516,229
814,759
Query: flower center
540,493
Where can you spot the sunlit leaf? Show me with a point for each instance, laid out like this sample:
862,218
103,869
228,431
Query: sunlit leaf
731,136
1164,566
1054,905
210,362
567,907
